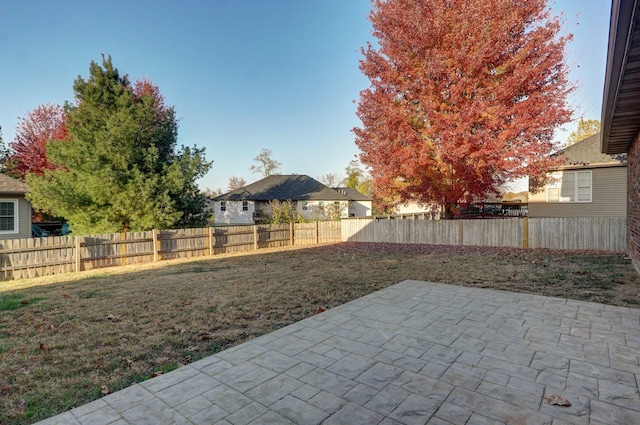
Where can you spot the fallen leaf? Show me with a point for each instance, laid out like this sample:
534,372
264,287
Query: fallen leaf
114,318
186,360
66,296
105,390
320,310
155,374
21,402
557,400
204,336
44,347
128,362
24,302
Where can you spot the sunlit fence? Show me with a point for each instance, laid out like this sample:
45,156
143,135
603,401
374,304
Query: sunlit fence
23,258
603,234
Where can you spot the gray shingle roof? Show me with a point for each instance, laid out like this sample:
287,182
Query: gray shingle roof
12,186
296,187
587,152
352,194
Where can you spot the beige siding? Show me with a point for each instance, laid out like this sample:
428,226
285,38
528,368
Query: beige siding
608,198
24,219
24,223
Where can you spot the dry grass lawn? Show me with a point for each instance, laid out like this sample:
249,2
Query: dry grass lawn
64,340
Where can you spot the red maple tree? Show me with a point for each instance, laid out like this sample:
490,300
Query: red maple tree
143,88
33,132
465,95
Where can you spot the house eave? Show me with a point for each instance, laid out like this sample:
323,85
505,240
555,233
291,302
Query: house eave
588,166
621,97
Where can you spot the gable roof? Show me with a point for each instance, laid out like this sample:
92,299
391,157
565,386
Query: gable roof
10,185
587,152
296,187
353,194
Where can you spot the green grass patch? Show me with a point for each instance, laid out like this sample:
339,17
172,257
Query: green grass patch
89,295
15,301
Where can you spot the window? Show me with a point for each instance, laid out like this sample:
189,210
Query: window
223,206
9,216
245,205
570,186
305,205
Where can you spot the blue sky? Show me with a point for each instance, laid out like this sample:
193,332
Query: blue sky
242,74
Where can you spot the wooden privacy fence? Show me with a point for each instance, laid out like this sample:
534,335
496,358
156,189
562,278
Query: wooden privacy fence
605,234
24,258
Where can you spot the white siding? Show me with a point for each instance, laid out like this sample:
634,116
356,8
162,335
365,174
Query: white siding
233,213
320,210
360,208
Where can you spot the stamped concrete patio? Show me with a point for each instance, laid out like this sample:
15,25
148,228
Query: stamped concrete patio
413,353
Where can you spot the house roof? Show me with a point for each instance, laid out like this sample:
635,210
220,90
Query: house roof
296,187
12,186
587,152
621,98
352,194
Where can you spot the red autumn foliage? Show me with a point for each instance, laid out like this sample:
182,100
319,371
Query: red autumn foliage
465,95
144,87
33,132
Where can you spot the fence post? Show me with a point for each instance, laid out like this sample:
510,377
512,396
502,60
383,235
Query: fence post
123,249
78,260
156,246
211,241
317,233
460,233
291,233
255,237
525,232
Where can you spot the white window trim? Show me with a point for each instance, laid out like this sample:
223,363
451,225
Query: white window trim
245,206
223,206
16,217
557,184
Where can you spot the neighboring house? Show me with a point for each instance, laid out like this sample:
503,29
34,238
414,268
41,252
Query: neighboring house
360,205
589,184
413,207
313,200
621,108
15,210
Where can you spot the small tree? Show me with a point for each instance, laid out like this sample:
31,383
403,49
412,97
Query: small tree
330,179
34,131
265,164
584,129
357,178
236,183
334,211
4,155
120,169
283,212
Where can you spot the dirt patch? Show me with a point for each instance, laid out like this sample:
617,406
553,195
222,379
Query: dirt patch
65,339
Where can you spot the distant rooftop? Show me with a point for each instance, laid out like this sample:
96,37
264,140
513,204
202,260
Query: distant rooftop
12,186
295,187
587,152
